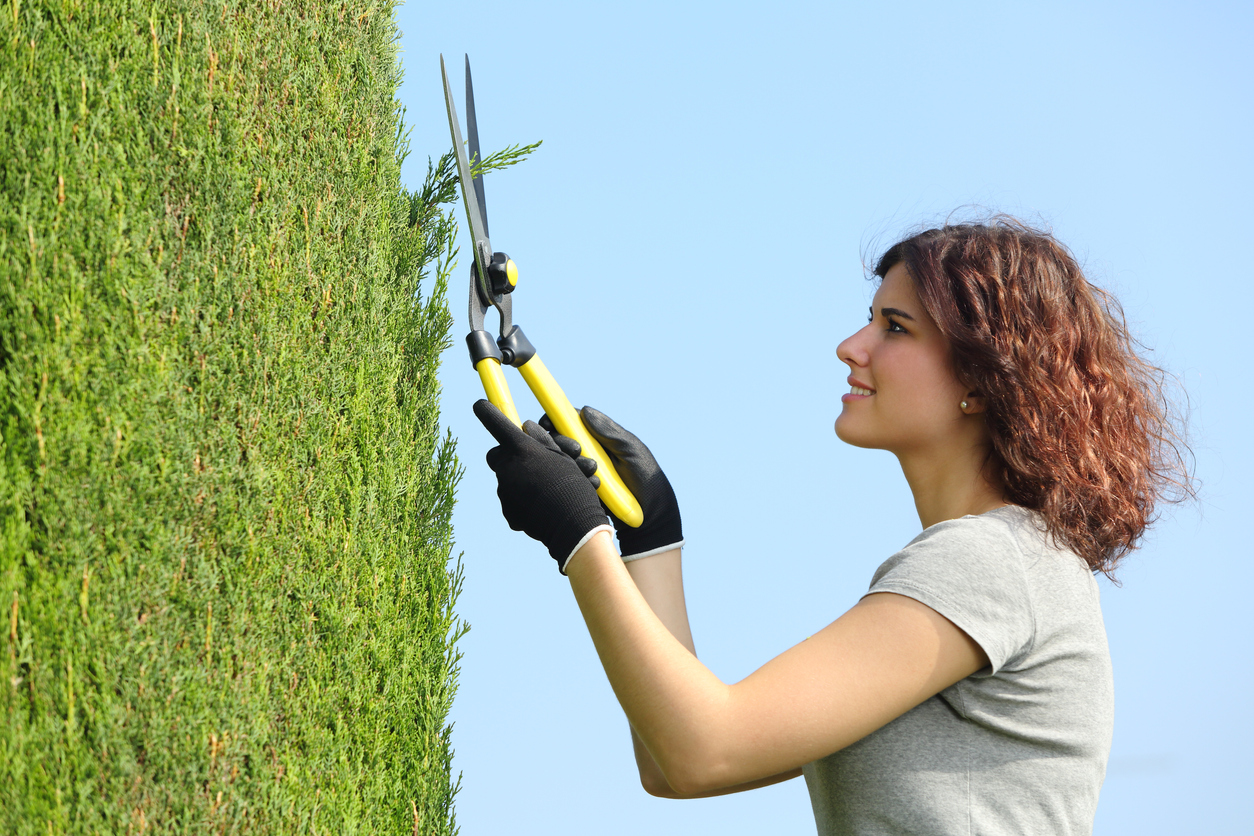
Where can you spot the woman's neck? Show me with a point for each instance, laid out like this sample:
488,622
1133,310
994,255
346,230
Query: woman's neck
952,486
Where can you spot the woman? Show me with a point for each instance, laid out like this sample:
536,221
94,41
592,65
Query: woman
970,690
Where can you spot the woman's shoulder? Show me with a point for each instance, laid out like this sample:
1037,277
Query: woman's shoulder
1007,545
993,535
1008,532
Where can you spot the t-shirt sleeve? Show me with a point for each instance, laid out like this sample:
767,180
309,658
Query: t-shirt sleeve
971,571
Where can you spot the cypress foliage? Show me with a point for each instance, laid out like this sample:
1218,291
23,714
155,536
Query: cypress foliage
224,502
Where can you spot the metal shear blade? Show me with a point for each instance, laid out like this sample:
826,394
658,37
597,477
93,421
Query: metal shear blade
492,283
476,216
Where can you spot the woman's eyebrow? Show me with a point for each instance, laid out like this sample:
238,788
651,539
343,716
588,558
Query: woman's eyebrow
898,312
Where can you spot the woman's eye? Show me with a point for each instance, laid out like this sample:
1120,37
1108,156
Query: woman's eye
894,327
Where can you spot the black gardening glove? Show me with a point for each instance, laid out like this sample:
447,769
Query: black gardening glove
542,492
661,529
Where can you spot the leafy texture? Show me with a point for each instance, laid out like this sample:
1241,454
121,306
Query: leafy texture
224,499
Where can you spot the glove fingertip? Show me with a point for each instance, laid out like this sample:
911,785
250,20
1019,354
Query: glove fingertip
537,432
568,446
494,421
604,424
606,430
592,420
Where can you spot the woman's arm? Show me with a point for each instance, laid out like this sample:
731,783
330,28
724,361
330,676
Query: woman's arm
883,657
874,663
659,578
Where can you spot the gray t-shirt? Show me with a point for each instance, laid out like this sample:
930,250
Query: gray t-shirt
1019,747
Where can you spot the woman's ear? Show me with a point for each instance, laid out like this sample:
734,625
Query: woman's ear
973,403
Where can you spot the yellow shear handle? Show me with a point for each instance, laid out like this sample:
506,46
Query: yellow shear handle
489,369
612,491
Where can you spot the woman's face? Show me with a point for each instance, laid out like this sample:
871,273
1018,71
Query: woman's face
904,395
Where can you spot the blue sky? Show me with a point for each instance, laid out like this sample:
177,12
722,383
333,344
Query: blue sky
690,238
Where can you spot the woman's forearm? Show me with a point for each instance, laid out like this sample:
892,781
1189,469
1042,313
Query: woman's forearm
660,581
874,663
668,695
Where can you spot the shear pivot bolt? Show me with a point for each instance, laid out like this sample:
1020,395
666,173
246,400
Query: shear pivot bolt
502,274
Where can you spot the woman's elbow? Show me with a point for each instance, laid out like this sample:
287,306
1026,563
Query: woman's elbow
689,765
678,780
694,776
657,786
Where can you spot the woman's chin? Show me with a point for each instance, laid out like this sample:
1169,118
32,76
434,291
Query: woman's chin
845,432
848,431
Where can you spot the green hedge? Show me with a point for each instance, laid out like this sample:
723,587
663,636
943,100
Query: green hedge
224,500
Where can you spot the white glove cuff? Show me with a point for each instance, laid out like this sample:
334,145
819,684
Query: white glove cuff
627,558
561,567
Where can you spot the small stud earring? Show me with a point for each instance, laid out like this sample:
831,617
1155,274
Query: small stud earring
963,404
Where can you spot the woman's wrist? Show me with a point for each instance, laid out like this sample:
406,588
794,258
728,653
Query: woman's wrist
598,546
583,541
669,547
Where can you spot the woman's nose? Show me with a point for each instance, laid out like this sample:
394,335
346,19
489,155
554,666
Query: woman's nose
852,349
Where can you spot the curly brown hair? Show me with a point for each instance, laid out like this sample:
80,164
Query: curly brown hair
1081,426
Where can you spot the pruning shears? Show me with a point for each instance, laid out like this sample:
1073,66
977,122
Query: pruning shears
493,278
